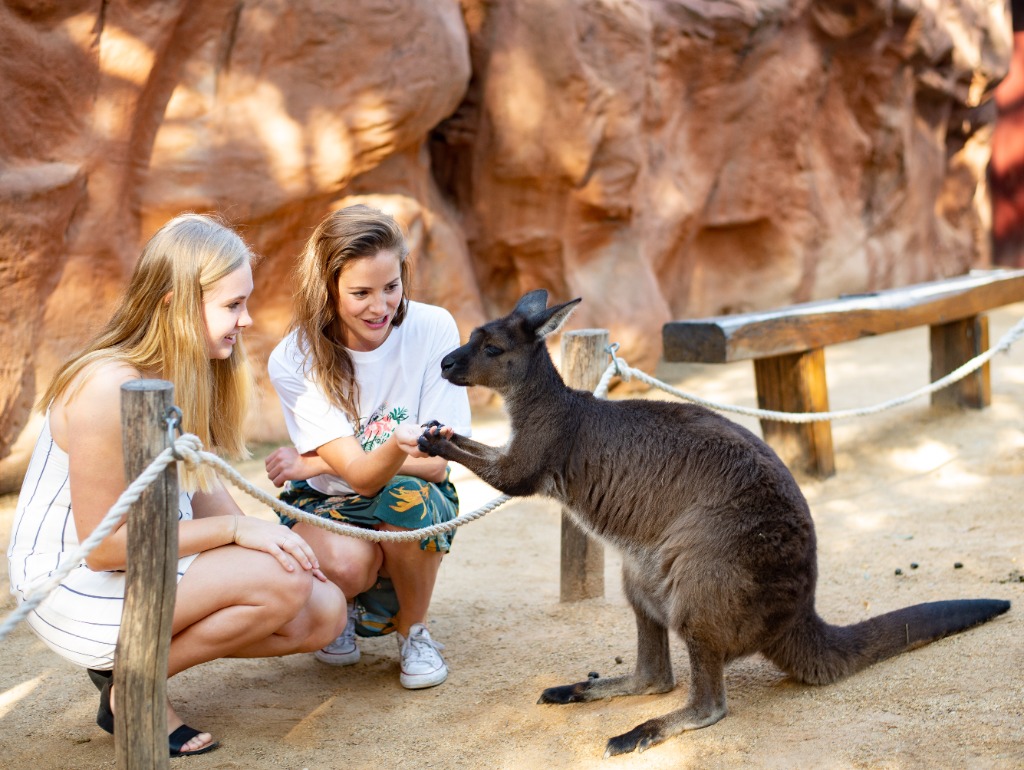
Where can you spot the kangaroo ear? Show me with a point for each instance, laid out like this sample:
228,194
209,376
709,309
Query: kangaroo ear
532,303
551,320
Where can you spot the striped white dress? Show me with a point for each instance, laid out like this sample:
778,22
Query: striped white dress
81,617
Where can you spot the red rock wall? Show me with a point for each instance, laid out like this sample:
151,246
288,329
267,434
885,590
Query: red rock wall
659,158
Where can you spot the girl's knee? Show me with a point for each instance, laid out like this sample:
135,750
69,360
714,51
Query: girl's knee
320,621
289,591
352,578
329,613
354,571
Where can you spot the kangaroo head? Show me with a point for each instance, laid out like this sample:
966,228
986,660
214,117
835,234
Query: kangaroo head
501,353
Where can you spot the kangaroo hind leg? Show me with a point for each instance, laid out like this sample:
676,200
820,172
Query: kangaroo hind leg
653,672
704,707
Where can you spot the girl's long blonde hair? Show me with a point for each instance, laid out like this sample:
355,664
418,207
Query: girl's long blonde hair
158,327
352,233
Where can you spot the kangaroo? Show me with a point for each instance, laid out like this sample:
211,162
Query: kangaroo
716,537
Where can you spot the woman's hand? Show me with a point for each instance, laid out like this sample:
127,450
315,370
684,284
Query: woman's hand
286,464
279,541
419,463
408,437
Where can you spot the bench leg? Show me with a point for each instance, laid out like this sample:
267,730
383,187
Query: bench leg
796,383
953,345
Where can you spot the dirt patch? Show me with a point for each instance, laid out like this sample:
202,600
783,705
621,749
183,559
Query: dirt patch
913,487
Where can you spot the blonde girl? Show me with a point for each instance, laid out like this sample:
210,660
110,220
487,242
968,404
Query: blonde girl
246,587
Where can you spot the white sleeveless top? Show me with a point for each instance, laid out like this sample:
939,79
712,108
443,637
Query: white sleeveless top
81,617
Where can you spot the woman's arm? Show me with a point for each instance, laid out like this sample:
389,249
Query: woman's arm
218,519
365,472
427,468
368,472
88,427
416,463
286,464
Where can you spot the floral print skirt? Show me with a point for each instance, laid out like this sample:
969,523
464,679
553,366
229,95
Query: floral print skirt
407,502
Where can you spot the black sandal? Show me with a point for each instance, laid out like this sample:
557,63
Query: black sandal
100,676
104,715
182,735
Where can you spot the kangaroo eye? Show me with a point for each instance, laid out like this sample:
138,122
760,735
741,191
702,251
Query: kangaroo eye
492,351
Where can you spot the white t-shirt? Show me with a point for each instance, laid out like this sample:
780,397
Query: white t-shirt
398,382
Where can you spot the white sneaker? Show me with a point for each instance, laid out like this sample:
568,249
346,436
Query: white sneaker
343,651
422,664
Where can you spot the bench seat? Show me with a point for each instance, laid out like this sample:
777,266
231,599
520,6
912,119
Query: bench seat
787,347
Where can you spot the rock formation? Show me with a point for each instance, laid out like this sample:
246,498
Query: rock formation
1006,168
660,158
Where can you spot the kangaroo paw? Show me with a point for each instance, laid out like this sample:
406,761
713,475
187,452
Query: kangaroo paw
430,439
567,693
427,446
640,738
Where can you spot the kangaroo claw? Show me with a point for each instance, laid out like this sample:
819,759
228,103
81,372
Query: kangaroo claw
639,739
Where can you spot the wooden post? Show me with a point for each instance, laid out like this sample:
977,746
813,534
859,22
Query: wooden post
953,344
795,382
584,360
144,641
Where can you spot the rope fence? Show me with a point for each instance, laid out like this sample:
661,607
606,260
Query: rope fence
188,449
620,368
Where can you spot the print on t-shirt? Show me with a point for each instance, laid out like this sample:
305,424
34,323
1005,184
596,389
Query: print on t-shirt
380,425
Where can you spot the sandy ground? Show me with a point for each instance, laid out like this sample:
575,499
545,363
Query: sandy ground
913,486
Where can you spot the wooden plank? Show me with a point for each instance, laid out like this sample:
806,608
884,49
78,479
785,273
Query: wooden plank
584,360
953,345
812,325
796,383
144,641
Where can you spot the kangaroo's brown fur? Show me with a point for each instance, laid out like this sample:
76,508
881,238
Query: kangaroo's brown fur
716,537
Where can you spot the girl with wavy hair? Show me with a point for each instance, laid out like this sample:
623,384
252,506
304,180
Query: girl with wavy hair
357,374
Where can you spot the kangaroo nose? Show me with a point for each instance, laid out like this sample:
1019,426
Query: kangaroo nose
447,363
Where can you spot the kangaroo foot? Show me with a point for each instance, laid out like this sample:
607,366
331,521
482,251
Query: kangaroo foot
655,731
567,693
596,688
640,738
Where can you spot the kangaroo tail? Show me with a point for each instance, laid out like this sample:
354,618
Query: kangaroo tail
818,653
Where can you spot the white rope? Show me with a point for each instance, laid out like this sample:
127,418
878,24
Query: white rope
188,448
193,458
618,366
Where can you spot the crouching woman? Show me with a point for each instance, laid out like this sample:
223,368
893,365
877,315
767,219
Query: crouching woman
246,587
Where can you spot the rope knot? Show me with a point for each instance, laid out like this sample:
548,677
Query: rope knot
187,448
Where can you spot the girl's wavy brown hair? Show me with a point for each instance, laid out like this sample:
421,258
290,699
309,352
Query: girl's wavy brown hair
345,235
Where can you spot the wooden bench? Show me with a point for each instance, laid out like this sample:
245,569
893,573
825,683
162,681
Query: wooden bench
787,347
